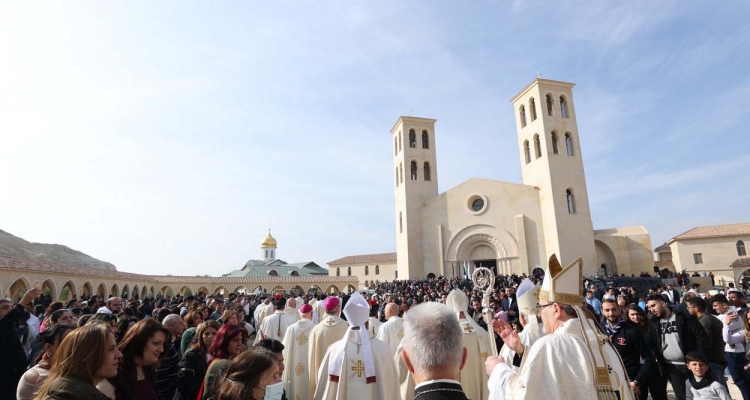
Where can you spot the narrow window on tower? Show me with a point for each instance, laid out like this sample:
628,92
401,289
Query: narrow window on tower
522,113
555,144
425,140
563,107
414,170
569,144
412,138
396,176
348,271
537,146
399,141
427,175
550,107
401,167
571,201
741,251
377,270
396,274
395,146
527,151
367,270
400,223
532,109
338,271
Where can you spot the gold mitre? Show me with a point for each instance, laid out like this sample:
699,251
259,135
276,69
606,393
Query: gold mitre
563,285
527,297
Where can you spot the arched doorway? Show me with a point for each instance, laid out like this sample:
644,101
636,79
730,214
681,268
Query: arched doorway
144,292
279,289
185,291
258,289
430,276
314,289
134,295
350,289
297,291
68,291
115,291
221,290
85,291
240,290
18,288
203,290
605,258
49,289
125,292
332,289
102,290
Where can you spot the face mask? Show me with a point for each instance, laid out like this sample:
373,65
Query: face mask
274,392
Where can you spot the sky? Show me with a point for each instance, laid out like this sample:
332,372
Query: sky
168,137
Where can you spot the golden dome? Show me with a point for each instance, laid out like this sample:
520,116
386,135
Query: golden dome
269,241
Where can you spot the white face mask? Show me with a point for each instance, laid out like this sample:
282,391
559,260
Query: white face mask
274,392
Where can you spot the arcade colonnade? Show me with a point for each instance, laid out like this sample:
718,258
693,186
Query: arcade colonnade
64,282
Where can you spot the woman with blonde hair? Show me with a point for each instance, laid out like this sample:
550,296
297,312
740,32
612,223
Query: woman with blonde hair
194,363
85,357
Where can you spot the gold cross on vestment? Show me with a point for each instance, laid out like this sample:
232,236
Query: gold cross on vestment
299,369
468,328
400,334
359,368
301,339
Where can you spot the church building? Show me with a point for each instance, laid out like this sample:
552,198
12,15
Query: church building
270,265
507,227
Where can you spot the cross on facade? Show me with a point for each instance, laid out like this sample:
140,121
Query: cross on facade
359,368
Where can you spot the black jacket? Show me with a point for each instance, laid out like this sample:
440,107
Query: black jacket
70,388
691,333
192,371
513,306
631,345
440,391
14,360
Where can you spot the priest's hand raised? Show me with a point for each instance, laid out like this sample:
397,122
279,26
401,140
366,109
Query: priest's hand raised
509,336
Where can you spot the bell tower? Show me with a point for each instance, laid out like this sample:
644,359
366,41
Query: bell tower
415,172
551,160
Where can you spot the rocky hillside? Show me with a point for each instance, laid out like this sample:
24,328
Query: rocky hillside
17,247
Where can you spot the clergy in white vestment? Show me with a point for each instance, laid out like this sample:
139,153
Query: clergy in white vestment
296,377
433,353
374,323
315,315
268,309
357,367
274,326
572,361
476,340
291,309
527,299
405,379
392,331
320,309
329,331
259,310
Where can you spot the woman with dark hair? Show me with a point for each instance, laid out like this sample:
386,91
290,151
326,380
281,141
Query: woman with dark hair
84,358
109,319
228,344
248,375
141,348
123,326
52,308
34,378
195,361
64,317
193,319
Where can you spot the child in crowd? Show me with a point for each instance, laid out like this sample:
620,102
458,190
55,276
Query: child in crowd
700,385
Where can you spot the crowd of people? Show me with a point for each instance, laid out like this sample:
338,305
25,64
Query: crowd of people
293,346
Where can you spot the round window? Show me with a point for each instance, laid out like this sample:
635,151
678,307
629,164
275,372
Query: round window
477,204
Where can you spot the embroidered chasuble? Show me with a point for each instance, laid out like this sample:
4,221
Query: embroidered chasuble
294,313
296,376
391,332
274,326
352,384
265,312
405,380
474,376
556,367
375,325
328,331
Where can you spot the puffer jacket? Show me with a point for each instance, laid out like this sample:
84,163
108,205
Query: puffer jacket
72,388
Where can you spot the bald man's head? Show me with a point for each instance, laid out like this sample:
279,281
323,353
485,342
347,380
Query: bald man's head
391,310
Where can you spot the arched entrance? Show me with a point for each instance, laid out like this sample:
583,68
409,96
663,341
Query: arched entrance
144,292
221,290
332,289
538,272
134,295
86,291
605,258
102,290
314,289
483,250
185,291
297,291
49,289
115,291
125,292
67,292
18,288
279,289
430,276
203,290
166,291
350,289
259,289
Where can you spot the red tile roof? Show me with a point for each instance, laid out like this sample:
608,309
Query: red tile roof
365,258
702,232
741,262
28,264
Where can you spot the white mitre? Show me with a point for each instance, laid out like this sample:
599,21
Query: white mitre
527,298
563,286
459,303
357,312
